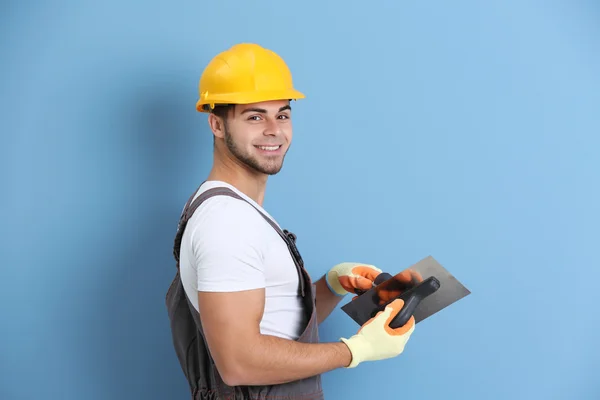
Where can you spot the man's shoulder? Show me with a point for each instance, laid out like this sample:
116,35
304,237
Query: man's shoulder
224,208
224,212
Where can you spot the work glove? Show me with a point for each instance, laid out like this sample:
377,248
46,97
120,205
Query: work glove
376,340
348,277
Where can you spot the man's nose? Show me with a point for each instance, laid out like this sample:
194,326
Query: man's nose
272,128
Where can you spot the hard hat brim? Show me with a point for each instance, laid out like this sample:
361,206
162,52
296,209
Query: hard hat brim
246,98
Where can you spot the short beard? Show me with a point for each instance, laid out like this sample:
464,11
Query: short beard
271,168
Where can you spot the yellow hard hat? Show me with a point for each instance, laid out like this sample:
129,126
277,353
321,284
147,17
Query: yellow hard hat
245,73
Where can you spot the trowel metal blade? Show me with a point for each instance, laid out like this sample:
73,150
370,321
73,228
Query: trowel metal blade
451,290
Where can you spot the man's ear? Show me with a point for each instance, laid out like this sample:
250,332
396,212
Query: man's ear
217,126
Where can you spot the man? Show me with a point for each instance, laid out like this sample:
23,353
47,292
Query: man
257,332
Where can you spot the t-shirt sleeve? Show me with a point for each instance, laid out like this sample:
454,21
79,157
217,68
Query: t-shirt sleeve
227,249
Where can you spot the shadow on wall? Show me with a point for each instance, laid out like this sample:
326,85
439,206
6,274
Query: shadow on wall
132,354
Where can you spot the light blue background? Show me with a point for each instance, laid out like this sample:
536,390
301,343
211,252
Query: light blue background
465,130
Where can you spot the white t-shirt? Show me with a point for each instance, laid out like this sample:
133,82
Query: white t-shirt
228,246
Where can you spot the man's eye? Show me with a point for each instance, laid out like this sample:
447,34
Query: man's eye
254,117
284,116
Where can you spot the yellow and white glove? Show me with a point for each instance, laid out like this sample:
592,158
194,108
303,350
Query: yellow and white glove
346,277
375,340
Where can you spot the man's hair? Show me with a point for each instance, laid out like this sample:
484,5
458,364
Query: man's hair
222,111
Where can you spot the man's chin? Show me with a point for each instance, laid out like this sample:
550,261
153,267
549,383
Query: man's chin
271,171
266,168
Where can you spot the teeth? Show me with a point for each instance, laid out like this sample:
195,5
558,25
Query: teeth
268,148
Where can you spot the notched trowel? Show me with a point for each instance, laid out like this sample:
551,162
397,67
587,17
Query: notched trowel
426,288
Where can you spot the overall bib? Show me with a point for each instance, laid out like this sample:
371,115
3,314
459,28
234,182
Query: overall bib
188,337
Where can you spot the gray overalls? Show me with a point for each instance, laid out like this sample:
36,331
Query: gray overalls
188,337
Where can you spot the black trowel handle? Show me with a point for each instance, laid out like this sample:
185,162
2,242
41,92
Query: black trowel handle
406,312
382,277
412,298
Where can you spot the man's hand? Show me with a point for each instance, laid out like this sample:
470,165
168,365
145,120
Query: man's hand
376,340
347,277
244,356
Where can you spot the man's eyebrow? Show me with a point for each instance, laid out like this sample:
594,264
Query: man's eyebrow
258,110
263,111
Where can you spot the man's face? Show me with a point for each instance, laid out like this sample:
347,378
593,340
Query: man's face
259,135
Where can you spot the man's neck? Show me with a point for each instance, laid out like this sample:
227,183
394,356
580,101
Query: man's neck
252,185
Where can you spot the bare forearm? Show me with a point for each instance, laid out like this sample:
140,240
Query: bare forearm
325,299
273,360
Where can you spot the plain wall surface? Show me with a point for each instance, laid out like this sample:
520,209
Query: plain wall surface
465,130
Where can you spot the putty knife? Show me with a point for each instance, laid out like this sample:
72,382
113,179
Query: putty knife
426,288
